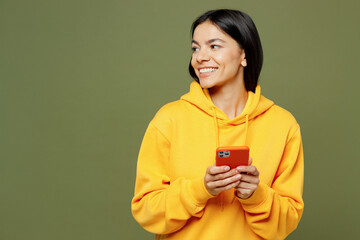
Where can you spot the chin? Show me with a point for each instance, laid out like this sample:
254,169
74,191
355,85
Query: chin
210,83
206,84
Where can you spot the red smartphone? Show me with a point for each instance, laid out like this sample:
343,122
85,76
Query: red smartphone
232,156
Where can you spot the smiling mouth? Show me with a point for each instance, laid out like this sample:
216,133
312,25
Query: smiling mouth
207,70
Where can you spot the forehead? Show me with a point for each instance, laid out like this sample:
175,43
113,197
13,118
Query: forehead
208,30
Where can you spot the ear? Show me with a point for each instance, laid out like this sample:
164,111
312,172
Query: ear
243,62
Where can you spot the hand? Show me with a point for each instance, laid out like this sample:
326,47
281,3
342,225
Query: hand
249,180
218,179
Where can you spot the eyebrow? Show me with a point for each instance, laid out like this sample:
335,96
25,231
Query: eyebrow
210,41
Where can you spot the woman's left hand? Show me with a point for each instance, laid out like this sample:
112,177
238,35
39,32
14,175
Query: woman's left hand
249,180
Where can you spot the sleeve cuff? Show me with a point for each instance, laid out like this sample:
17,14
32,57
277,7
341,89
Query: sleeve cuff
198,191
258,197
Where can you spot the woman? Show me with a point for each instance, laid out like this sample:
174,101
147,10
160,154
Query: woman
179,192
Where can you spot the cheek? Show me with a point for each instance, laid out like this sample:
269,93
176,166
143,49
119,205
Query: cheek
232,62
193,58
225,58
193,63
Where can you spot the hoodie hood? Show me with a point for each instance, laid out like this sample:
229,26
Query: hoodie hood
255,105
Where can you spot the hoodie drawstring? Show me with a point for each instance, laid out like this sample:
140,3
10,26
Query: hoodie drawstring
216,124
246,128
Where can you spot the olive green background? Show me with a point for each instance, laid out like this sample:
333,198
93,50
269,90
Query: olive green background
80,80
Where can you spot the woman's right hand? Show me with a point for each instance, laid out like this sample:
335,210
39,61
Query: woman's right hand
218,179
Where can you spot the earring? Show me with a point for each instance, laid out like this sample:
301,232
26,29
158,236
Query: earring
243,63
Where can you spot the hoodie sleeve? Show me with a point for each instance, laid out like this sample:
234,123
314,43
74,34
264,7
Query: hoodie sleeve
161,205
274,212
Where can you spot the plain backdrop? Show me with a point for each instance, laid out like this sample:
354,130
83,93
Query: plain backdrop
80,81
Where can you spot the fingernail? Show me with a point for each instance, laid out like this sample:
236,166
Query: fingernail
226,168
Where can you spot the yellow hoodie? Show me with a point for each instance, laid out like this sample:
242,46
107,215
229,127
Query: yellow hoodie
170,197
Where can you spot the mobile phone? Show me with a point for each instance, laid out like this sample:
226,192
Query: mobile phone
232,156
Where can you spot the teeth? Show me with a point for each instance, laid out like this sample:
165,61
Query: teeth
205,70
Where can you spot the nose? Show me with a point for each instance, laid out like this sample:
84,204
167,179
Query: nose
202,55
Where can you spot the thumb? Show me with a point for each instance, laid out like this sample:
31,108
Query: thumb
250,161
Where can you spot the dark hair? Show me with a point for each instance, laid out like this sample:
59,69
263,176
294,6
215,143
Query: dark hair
242,29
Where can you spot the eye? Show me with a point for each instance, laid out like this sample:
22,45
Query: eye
213,46
195,49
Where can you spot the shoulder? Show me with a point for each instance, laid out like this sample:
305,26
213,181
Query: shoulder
171,108
166,116
272,113
282,118
281,114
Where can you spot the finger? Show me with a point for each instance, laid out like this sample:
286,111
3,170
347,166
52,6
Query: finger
227,187
244,193
250,160
250,179
246,185
217,169
226,181
249,170
222,176
225,175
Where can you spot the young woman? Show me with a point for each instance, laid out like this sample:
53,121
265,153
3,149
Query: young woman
179,192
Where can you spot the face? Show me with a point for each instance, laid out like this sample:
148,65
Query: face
216,57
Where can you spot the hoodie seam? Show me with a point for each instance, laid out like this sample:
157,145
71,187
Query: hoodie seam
293,134
158,129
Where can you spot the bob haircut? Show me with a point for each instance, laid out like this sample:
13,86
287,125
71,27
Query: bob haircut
242,29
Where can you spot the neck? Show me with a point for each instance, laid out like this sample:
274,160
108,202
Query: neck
230,98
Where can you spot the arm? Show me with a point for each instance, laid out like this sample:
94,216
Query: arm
162,205
274,212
